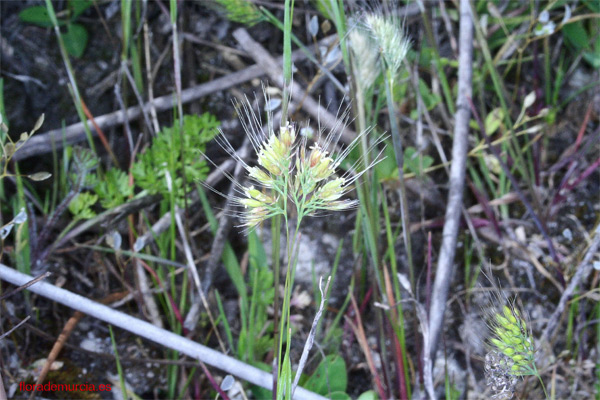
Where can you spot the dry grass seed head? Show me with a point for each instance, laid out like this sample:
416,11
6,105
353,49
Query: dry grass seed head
387,32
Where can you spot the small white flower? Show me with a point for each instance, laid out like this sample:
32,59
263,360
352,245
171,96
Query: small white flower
545,25
547,29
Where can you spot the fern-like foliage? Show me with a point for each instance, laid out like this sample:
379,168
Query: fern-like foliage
81,206
168,154
114,189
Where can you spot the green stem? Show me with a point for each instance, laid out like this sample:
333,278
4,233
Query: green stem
541,382
287,59
399,151
276,234
284,324
362,125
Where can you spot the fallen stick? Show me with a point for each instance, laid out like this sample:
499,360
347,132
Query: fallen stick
42,143
146,330
445,264
64,336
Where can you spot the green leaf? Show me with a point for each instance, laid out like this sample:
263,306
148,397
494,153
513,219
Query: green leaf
493,120
593,58
431,100
387,168
368,395
576,34
593,5
75,39
411,161
79,6
426,57
339,396
324,8
37,15
256,251
330,375
260,392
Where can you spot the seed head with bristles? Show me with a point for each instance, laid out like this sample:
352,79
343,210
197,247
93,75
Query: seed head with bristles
364,57
512,351
290,173
387,31
514,340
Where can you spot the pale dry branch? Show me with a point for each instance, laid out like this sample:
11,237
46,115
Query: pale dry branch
42,143
445,265
148,331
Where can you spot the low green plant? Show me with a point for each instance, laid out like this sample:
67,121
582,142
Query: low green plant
388,168
114,189
177,153
150,172
81,165
330,379
75,37
81,206
8,148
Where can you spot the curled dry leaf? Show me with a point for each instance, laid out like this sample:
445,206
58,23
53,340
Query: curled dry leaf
38,123
529,100
9,150
39,176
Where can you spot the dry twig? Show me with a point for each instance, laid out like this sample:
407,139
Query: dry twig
42,143
445,266
313,330
146,330
583,270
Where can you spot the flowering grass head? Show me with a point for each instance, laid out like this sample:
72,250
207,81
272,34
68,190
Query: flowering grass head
512,339
291,174
512,353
